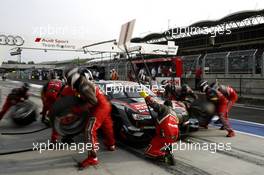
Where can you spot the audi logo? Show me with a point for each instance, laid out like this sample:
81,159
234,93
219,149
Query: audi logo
11,40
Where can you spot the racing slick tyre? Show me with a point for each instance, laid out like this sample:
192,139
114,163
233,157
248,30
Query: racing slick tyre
24,113
64,120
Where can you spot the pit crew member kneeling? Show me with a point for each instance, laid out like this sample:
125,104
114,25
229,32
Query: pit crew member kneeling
167,130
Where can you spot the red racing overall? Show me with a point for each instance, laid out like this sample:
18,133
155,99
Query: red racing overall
222,110
16,95
166,129
230,94
50,94
101,118
98,106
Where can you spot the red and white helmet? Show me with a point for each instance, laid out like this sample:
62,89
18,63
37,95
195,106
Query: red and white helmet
203,86
72,75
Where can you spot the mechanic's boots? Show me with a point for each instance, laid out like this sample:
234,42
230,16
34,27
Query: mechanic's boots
111,148
231,134
87,162
222,128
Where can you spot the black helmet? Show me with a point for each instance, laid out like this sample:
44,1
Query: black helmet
168,103
203,85
169,88
184,88
26,86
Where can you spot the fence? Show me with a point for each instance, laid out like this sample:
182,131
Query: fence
244,86
232,62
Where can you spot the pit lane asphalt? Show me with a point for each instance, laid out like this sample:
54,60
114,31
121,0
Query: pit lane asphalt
246,113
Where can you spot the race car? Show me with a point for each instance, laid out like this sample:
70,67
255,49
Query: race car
133,122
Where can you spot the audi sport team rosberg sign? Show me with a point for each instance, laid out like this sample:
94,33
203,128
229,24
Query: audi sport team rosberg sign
11,42
39,42
54,43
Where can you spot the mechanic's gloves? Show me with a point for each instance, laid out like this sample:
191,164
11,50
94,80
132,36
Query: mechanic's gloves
143,94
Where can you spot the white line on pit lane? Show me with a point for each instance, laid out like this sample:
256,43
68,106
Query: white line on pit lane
253,123
243,121
249,107
241,132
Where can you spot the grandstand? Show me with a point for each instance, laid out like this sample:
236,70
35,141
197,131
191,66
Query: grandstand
235,55
246,33
230,49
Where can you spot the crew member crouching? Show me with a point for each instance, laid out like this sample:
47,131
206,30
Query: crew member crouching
167,130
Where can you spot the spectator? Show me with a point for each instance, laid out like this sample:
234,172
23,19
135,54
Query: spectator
170,72
141,71
198,76
153,72
114,75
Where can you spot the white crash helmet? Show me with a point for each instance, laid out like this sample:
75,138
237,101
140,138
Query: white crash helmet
72,75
